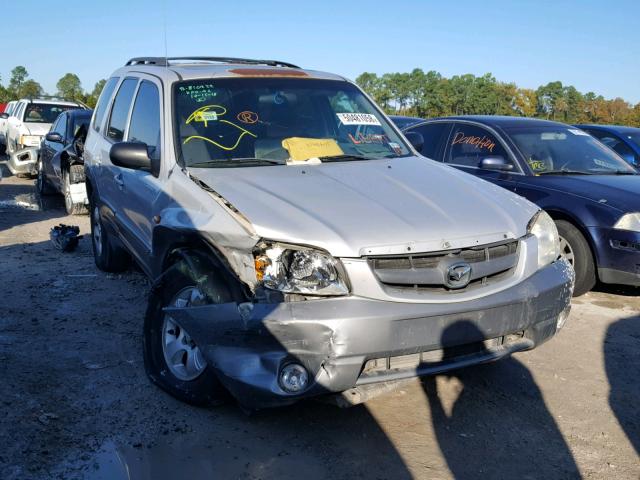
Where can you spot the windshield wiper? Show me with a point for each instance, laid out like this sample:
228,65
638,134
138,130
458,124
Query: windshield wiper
254,162
342,158
563,171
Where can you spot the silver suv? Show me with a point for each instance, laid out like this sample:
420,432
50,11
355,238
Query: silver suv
297,243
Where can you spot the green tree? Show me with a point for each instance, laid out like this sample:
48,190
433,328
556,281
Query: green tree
18,76
69,87
31,89
92,98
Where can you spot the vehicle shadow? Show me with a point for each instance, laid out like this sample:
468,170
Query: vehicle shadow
622,364
623,290
499,425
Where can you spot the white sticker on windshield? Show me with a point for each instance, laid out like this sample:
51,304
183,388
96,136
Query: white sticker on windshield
358,119
575,131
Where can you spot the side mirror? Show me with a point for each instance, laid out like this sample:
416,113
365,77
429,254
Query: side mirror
416,139
133,155
496,163
4,115
53,137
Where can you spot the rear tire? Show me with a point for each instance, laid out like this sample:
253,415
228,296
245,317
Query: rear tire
167,365
109,257
575,249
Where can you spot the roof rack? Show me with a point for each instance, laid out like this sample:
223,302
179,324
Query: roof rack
166,61
58,98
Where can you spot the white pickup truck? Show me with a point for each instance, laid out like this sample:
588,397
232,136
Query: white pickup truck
29,122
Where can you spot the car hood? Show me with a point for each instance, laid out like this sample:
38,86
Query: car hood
372,207
621,192
37,128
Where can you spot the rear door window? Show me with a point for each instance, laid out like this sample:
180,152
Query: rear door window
434,135
120,110
470,144
103,102
145,118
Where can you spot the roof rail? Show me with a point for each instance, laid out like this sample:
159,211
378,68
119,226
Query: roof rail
58,98
166,61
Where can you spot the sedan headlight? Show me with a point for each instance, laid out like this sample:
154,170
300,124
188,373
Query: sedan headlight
29,140
544,229
629,221
297,269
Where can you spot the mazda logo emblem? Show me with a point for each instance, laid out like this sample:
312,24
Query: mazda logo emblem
458,275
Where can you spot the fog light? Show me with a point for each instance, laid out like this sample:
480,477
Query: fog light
293,378
562,318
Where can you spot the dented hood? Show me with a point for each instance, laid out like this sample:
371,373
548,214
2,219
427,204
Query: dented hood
372,207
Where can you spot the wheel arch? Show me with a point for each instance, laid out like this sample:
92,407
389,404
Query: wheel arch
557,214
172,245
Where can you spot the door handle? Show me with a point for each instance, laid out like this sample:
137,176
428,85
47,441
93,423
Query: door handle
119,180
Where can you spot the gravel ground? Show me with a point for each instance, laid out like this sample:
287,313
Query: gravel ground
75,401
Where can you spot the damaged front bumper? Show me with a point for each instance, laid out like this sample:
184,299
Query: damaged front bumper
349,343
24,161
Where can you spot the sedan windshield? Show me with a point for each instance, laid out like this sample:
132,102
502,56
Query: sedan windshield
269,121
633,135
563,150
44,112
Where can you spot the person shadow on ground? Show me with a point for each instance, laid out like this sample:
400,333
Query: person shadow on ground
622,364
498,426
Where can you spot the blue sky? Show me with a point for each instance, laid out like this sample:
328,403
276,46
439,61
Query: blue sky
593,45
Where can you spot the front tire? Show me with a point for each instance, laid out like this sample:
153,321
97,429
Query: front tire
172,359
108,256
575,249
74,171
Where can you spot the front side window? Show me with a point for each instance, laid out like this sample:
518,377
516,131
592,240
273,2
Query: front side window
103,102
44,112
58,126
120,110
433,134
145,119
563,150
244,121
470,144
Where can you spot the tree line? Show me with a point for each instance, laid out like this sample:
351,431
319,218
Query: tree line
68,87
430,94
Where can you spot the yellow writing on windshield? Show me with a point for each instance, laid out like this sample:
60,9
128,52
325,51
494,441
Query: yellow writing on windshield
212,113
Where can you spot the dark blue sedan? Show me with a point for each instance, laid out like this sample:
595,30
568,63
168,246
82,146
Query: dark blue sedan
591,192
624,140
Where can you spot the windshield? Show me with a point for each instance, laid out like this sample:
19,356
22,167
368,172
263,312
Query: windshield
250,121
44,112
558,149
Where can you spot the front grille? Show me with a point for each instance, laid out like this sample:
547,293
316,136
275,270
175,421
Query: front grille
390,365
427,271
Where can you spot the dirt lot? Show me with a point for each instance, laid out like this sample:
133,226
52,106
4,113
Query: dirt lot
75,401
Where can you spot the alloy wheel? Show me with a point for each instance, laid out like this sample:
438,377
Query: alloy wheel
181,354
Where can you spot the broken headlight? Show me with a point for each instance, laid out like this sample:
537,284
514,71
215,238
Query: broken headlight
297,269
544,229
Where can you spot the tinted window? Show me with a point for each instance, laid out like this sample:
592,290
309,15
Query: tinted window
145,118
433,134
103,101
120,110
470,144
